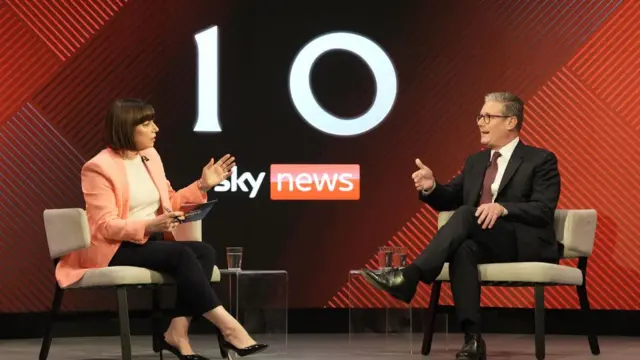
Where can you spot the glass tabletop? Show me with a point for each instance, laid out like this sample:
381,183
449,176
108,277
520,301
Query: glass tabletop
252,272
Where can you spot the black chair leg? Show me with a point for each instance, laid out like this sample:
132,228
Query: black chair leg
430,318
156,321
123,315
586,311
539,322
48,334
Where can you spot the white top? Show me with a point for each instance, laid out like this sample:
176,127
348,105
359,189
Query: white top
503,160
144,198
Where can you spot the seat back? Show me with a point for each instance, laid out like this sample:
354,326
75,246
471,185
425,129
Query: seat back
66,230
189,231
575,229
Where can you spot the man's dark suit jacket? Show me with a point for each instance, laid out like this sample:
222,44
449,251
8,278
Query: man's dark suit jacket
529,190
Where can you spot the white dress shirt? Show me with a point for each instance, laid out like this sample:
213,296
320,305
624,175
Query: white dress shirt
144,198
503,160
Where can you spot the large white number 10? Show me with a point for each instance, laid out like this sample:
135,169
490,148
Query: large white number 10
207,42
299,85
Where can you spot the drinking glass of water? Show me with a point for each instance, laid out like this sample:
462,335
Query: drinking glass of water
234,258
399,257
385,254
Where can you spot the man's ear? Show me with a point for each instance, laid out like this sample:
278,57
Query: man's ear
513,123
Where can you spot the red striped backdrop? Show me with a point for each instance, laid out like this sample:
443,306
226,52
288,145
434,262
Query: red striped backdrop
574,63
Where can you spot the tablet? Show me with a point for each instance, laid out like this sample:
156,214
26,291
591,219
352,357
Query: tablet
196,212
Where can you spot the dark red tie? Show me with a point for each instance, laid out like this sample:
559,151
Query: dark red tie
489,177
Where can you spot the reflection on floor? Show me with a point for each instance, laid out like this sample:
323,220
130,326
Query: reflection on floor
335,347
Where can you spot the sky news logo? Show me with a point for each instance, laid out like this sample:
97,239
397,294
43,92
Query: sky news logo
299,182
315,182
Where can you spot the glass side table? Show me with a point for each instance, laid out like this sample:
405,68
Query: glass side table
259,300
381,324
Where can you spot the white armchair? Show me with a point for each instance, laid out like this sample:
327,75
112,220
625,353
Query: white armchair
68,230
575,229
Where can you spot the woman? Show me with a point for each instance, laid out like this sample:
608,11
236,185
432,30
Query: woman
128,204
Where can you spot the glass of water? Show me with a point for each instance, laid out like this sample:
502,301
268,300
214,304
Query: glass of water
385,255
399,259
234,258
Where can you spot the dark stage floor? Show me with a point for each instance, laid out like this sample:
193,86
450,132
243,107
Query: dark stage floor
335,347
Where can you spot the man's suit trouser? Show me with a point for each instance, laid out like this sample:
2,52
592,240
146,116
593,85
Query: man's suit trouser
464,244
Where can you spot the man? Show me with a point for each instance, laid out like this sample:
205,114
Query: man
504,201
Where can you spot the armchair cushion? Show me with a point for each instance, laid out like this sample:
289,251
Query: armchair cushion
119,276
524,272
127,276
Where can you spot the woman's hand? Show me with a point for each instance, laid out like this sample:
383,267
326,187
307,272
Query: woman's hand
215,172
166,222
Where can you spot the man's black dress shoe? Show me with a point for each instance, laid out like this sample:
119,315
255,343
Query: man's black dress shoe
473,349
392,282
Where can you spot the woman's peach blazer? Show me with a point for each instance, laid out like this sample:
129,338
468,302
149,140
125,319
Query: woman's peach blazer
106,194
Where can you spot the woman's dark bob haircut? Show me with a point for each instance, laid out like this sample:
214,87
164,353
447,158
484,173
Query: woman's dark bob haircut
123,117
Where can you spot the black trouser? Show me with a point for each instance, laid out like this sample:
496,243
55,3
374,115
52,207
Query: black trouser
464,244
189,263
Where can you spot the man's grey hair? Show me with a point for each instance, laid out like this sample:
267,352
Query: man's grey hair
513,105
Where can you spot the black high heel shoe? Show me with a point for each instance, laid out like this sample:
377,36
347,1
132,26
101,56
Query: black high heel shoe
225,346
164,345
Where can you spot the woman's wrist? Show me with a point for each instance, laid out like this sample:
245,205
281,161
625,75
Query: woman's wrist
202,187
149,227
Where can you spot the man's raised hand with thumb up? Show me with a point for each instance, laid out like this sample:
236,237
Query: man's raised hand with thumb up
423,178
